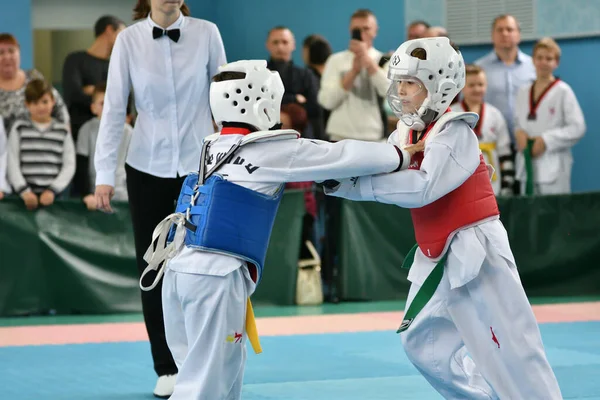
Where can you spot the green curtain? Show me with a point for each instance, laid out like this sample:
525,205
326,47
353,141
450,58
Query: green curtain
375,238
70,260
67,259
555,240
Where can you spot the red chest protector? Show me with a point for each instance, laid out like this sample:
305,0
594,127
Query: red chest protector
436,223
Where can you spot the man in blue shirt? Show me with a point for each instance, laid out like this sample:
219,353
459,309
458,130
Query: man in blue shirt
507,68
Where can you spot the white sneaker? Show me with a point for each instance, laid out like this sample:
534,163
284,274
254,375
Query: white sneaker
165,385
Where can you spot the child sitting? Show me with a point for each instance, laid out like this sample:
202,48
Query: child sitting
41,153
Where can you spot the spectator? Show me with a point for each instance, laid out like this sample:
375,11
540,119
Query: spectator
41,154
355,101
507,68
417,30
315,52
13,81
549,122
436,31
491,130
353,87
168,58
86,148
301,86
4,186
83,70
293,116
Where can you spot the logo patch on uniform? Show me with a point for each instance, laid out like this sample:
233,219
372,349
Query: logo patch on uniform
404,325
494,338
235,338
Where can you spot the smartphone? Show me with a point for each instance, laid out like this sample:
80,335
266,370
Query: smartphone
356,34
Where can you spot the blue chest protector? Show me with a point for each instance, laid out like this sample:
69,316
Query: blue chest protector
225,218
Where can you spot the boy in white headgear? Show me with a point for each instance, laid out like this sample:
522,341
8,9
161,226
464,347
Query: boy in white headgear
215,244
468,326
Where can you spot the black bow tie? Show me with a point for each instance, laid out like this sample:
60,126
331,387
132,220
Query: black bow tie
173,34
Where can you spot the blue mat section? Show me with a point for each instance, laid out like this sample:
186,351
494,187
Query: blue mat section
350,366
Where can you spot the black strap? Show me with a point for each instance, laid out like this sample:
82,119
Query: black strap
201,168
202,176
380,100
384,58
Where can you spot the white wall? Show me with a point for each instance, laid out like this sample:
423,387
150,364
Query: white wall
77,14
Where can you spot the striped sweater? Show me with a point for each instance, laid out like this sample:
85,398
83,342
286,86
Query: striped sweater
40,159
4,186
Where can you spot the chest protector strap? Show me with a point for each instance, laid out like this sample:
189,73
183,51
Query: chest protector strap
217,216
225,218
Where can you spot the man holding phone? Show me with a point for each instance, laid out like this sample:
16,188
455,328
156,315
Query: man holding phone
353,84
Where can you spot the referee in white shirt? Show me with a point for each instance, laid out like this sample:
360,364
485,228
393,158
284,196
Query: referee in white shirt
169,59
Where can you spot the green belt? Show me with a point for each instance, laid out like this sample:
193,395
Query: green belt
426,291
529,185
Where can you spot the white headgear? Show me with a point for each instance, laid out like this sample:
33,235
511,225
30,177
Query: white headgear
254,99
442,73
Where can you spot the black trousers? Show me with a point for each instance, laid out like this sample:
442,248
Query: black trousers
308,225
329,269
151,199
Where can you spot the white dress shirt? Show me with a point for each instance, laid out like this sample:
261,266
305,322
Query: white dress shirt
171,82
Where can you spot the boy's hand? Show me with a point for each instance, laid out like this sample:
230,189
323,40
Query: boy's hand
300,99
1,195
104,193
88,89
415,148
30,199
90,202
539,147
47,198
521,138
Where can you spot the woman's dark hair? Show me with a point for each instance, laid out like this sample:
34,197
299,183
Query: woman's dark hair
36,89
7,38
142,10
319,49
228,76
104,22
298,116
